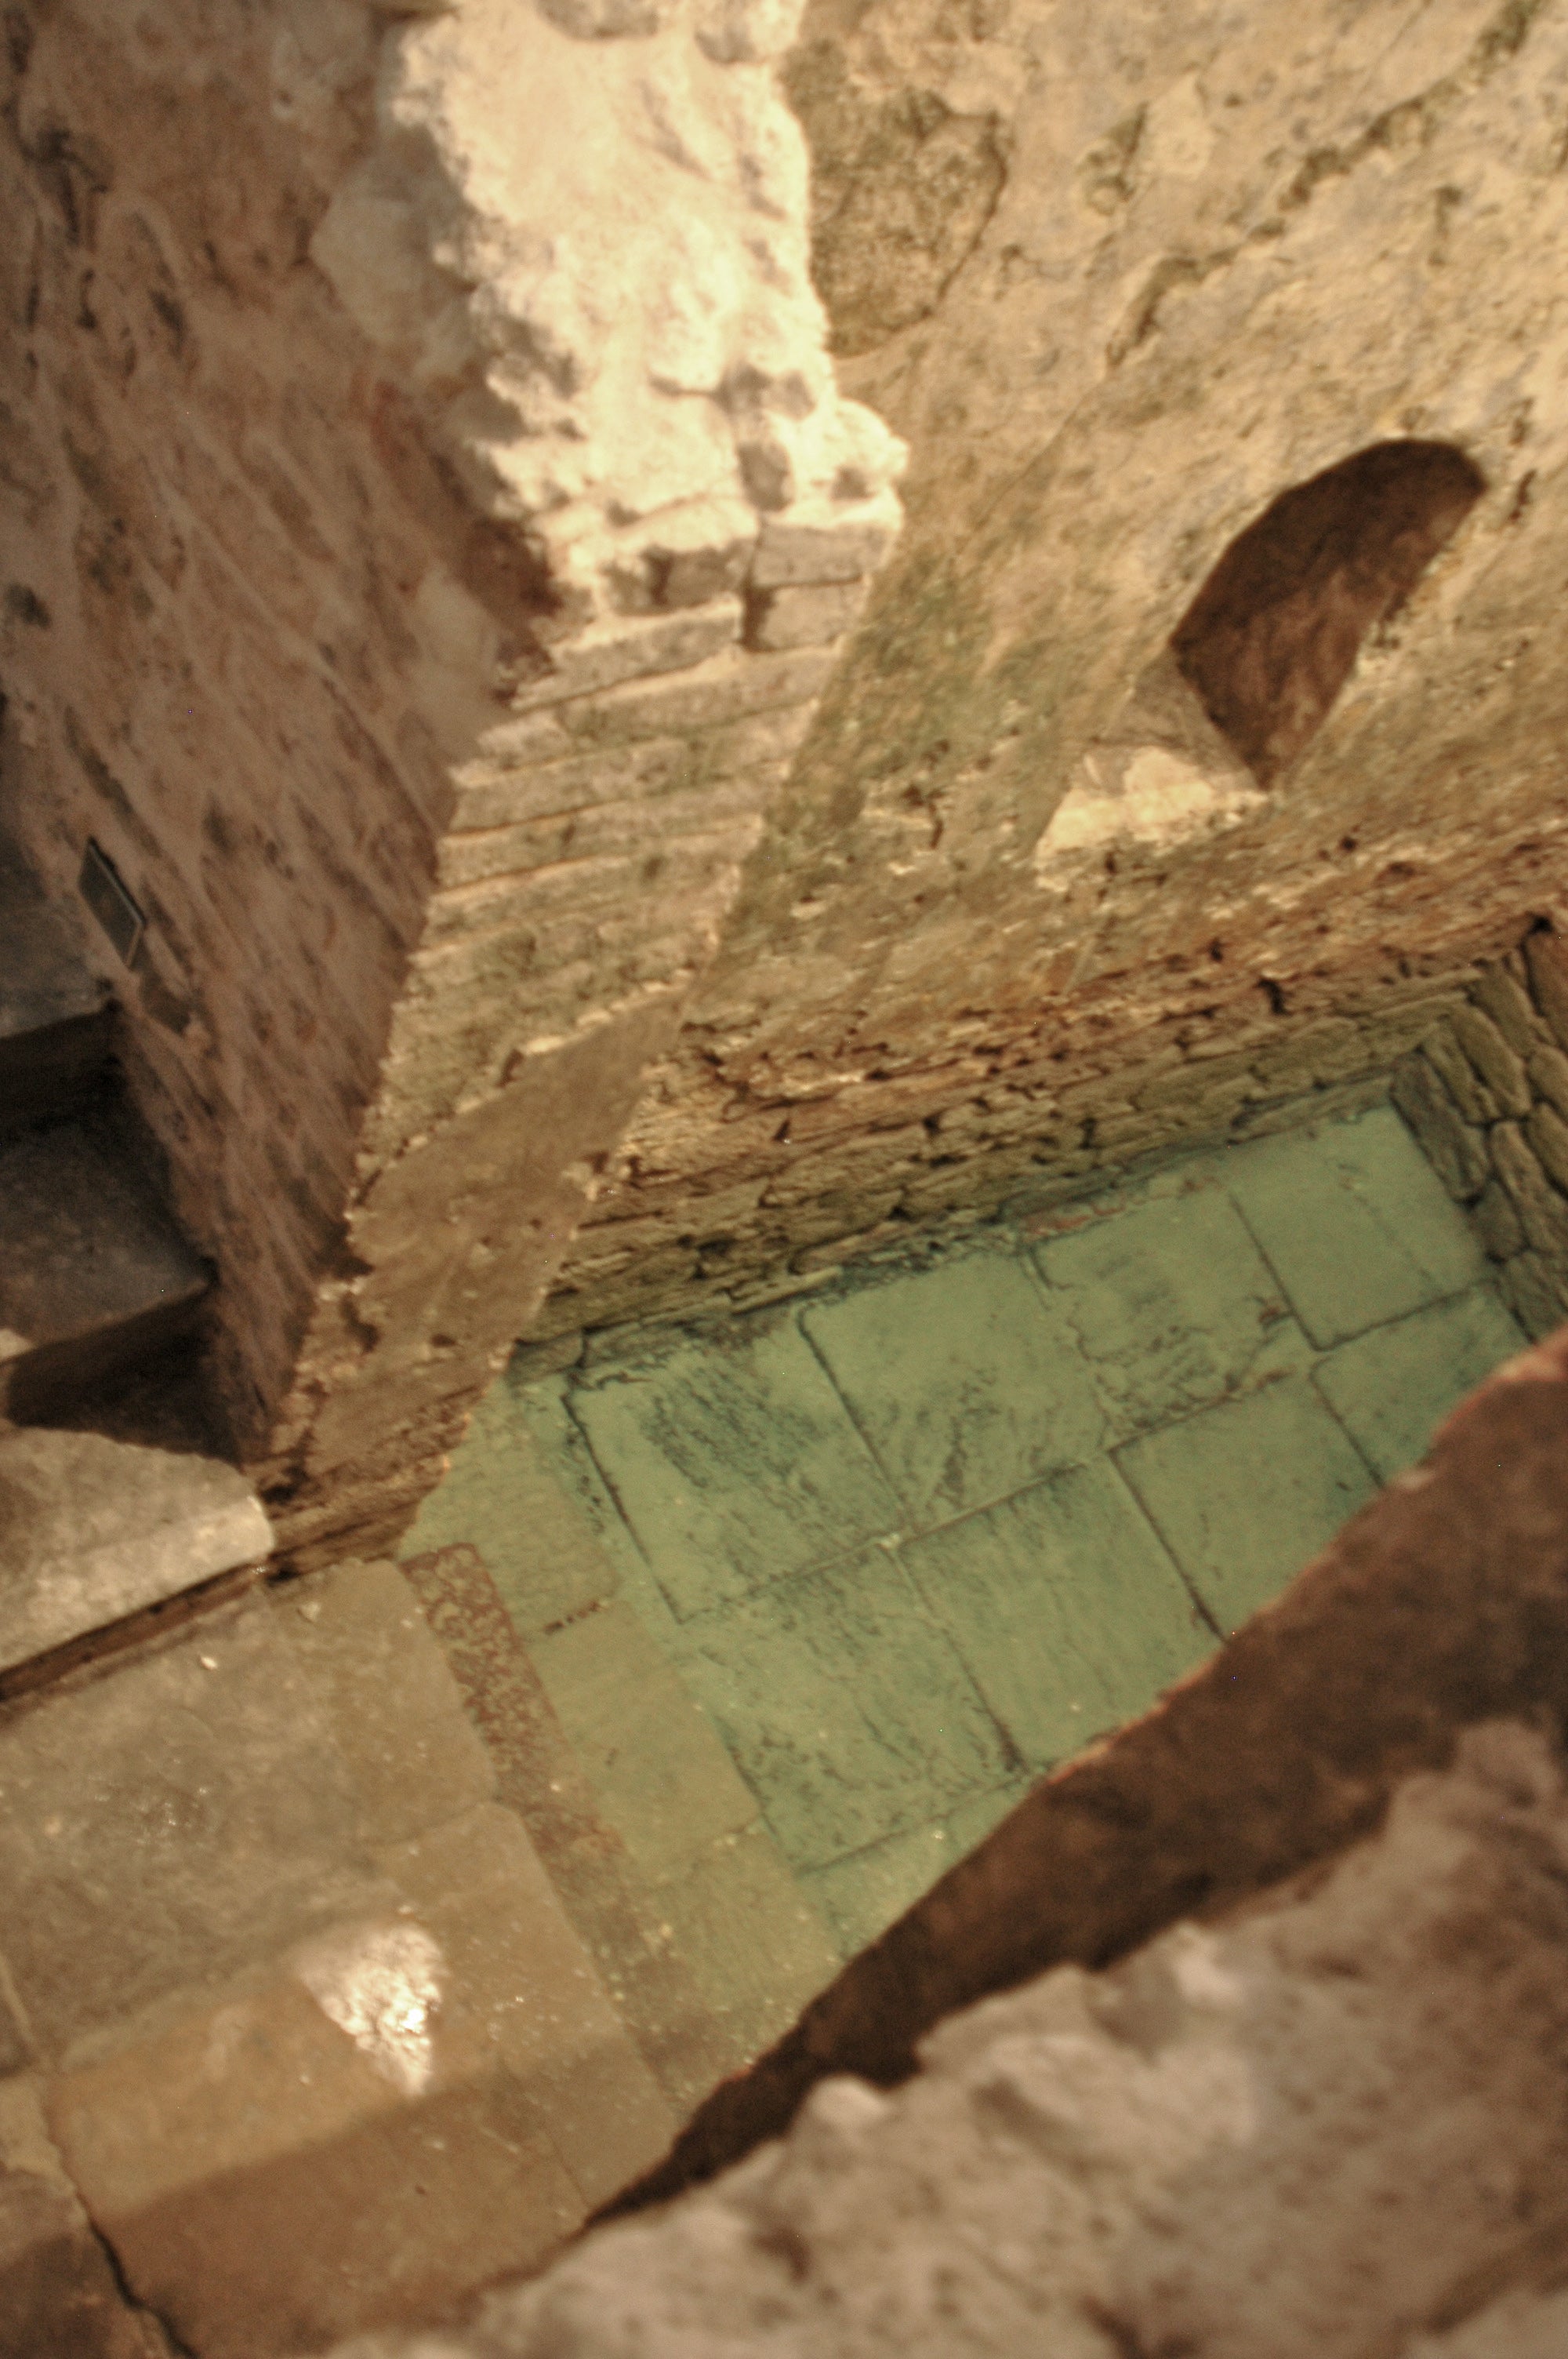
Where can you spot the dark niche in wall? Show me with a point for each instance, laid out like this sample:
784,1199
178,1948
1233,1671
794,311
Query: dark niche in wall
1270,640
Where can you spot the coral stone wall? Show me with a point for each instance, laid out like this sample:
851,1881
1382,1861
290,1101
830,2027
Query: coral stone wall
1123,278
431,507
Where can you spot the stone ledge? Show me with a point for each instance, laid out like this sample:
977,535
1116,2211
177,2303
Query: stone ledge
93,1531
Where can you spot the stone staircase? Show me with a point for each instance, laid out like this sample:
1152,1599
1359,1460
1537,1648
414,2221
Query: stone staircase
112,1498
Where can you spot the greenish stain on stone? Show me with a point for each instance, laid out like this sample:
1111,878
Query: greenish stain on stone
845,1706
1392,1388
963,1380
1356,1222
912,1542
734,1461
1245,1493
1064,1606
1171,1305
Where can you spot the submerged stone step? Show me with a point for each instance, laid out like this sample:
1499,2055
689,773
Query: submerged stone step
55,1016
93,1275
93,1529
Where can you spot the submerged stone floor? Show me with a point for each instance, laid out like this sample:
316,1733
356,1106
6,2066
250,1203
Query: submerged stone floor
914,1538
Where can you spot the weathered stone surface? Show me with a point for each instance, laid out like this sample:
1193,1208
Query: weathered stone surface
93,1529
1451,1143
314,525
58,2295
1110,2161
1412,1626
54,1009
1501,1068
1079,464
168,1824
91,1269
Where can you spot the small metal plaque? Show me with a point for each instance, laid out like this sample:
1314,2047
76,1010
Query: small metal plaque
103,889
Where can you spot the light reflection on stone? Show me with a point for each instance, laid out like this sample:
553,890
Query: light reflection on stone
383,1985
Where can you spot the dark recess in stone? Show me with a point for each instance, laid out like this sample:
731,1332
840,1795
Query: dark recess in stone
1271,639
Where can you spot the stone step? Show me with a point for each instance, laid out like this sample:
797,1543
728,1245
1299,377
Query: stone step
94,1275
56,1017
94,1529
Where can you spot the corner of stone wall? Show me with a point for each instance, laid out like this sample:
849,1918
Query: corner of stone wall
1486,1095
577,243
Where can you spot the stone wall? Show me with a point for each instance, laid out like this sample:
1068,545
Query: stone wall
1122,279
1486,1093
429,508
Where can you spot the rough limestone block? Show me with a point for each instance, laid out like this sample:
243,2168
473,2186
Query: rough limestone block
842,548
1533,1286
1548,965
630,649
1498,1224
1391,1389
1549,1077
1548,1134
1242,1492
1456,1148
93,1529
966,1381
1475,1100
1500,1066
1497,994
1541,1208
1066,1609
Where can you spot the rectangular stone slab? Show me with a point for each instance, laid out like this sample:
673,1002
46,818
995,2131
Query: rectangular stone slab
91,1530
91,1270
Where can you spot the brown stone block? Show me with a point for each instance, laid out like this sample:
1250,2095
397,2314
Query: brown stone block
170,1822
607,653
660,1774
1549,1077
805,616
525,1994
58,2295
1499,1067
616,828
1502,997
1547,960
1548,1134
265,2188
1541,1208
1456,1150
396,1712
